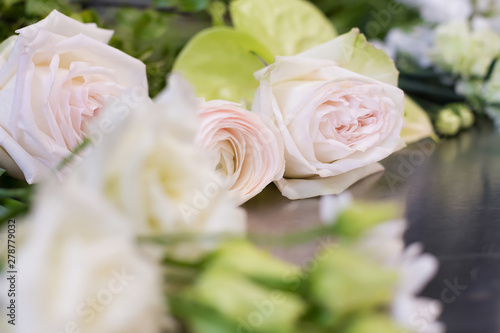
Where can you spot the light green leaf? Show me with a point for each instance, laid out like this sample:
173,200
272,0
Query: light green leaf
353,52
417,123
286,27
220,62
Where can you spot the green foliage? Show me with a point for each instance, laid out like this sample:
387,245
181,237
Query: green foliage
183,5
155,38
16,14
375,18
15,196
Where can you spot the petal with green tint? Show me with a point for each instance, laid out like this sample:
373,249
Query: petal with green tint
353,52
361,216
346,283
5,48
417,123
220,62
257,265
373,323
286,27
239,299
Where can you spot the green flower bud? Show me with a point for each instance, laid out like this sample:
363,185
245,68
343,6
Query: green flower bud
345,282
242,304
246,259
466,116
373,323
362,216
448,122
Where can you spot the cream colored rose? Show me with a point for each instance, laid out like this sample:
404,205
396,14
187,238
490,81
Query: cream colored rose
336,123
80,270
55,78
151,168
248,146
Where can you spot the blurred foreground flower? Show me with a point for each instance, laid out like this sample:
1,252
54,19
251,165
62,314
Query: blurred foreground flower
463,51
361,280
152,170
80,268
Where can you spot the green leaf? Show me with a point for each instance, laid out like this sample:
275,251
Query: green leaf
220,62
183,5
417,123
44,7
10,208
353,52
286,27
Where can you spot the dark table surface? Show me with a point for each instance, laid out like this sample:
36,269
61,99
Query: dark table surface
451,191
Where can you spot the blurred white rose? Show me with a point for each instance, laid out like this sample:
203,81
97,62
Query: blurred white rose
463,51
248,146
54,79
338,110
438,11
151,168
79,269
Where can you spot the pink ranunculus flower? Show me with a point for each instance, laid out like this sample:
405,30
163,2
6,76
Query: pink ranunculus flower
339,111
54,79
248,147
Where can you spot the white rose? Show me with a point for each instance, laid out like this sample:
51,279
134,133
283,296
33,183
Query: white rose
335,114
248,146
79,269
464,51
58,75
151,168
